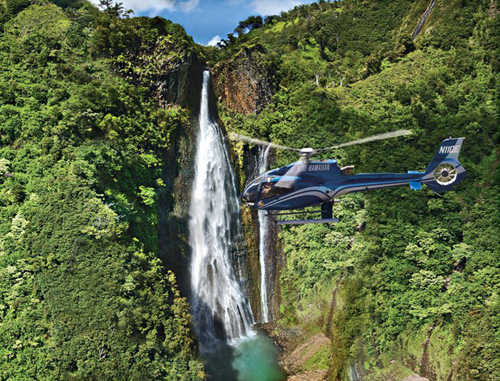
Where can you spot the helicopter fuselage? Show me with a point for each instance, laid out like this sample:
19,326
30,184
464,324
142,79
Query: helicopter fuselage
309,183
314,183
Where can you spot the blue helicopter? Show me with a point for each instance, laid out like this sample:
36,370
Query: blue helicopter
309,183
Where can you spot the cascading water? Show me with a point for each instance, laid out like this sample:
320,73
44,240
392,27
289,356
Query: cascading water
264,229
213,227
222,315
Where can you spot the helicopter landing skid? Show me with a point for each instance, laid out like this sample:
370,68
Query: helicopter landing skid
313,221
326,216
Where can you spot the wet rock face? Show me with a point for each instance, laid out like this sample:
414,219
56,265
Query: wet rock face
247,82
174,198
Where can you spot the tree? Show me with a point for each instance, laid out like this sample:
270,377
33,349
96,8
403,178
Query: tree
115,9
253,22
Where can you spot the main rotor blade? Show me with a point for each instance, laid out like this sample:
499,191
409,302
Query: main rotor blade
386,135
247,139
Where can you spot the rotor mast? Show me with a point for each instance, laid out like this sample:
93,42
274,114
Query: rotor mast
306,153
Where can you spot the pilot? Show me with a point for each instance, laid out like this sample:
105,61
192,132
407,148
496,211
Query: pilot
266,188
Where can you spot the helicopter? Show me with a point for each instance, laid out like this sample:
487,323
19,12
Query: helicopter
309,183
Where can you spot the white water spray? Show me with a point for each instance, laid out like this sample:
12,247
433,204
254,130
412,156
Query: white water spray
264,229
220,308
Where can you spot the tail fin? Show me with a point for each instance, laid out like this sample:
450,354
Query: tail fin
445,171
448,150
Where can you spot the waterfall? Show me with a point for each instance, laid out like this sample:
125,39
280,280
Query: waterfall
264,229
354,373
223,320
220,308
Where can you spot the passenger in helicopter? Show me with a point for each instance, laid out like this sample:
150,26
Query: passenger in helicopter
271,190
266,188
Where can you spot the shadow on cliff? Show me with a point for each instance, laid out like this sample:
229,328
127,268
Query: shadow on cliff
174,198
217,354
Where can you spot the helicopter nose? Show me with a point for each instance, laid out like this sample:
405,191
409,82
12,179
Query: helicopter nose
247,197
250,194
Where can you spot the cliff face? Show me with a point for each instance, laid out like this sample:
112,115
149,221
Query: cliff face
274,256
160,56
174,200
246,82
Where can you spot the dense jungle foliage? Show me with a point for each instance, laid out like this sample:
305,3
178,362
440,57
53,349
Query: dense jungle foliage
407,281
83,136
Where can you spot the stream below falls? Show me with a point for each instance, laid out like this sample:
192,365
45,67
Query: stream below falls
223,321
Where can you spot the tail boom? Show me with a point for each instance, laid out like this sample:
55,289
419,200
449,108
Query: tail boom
443,172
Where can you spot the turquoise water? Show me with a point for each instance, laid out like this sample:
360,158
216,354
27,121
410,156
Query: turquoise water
256,359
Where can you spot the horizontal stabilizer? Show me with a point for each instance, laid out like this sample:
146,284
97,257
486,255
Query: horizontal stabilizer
415,185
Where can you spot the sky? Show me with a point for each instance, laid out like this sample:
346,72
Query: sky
209,20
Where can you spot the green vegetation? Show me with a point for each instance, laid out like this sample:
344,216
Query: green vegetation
406,282
402,266
83,140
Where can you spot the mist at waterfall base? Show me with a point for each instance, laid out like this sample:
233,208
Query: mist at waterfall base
223,322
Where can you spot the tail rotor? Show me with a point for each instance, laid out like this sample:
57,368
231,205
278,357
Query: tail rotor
445,174
445,171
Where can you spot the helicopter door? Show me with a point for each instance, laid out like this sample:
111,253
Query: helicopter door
270,189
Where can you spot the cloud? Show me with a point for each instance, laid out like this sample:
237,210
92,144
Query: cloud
156,6
188,6
273,7
262,7
268,7
215,39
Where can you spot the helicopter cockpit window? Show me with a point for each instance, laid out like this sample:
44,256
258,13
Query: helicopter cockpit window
269,189
251,192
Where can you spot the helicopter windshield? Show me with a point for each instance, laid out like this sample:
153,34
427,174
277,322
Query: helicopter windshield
251,193
270,189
